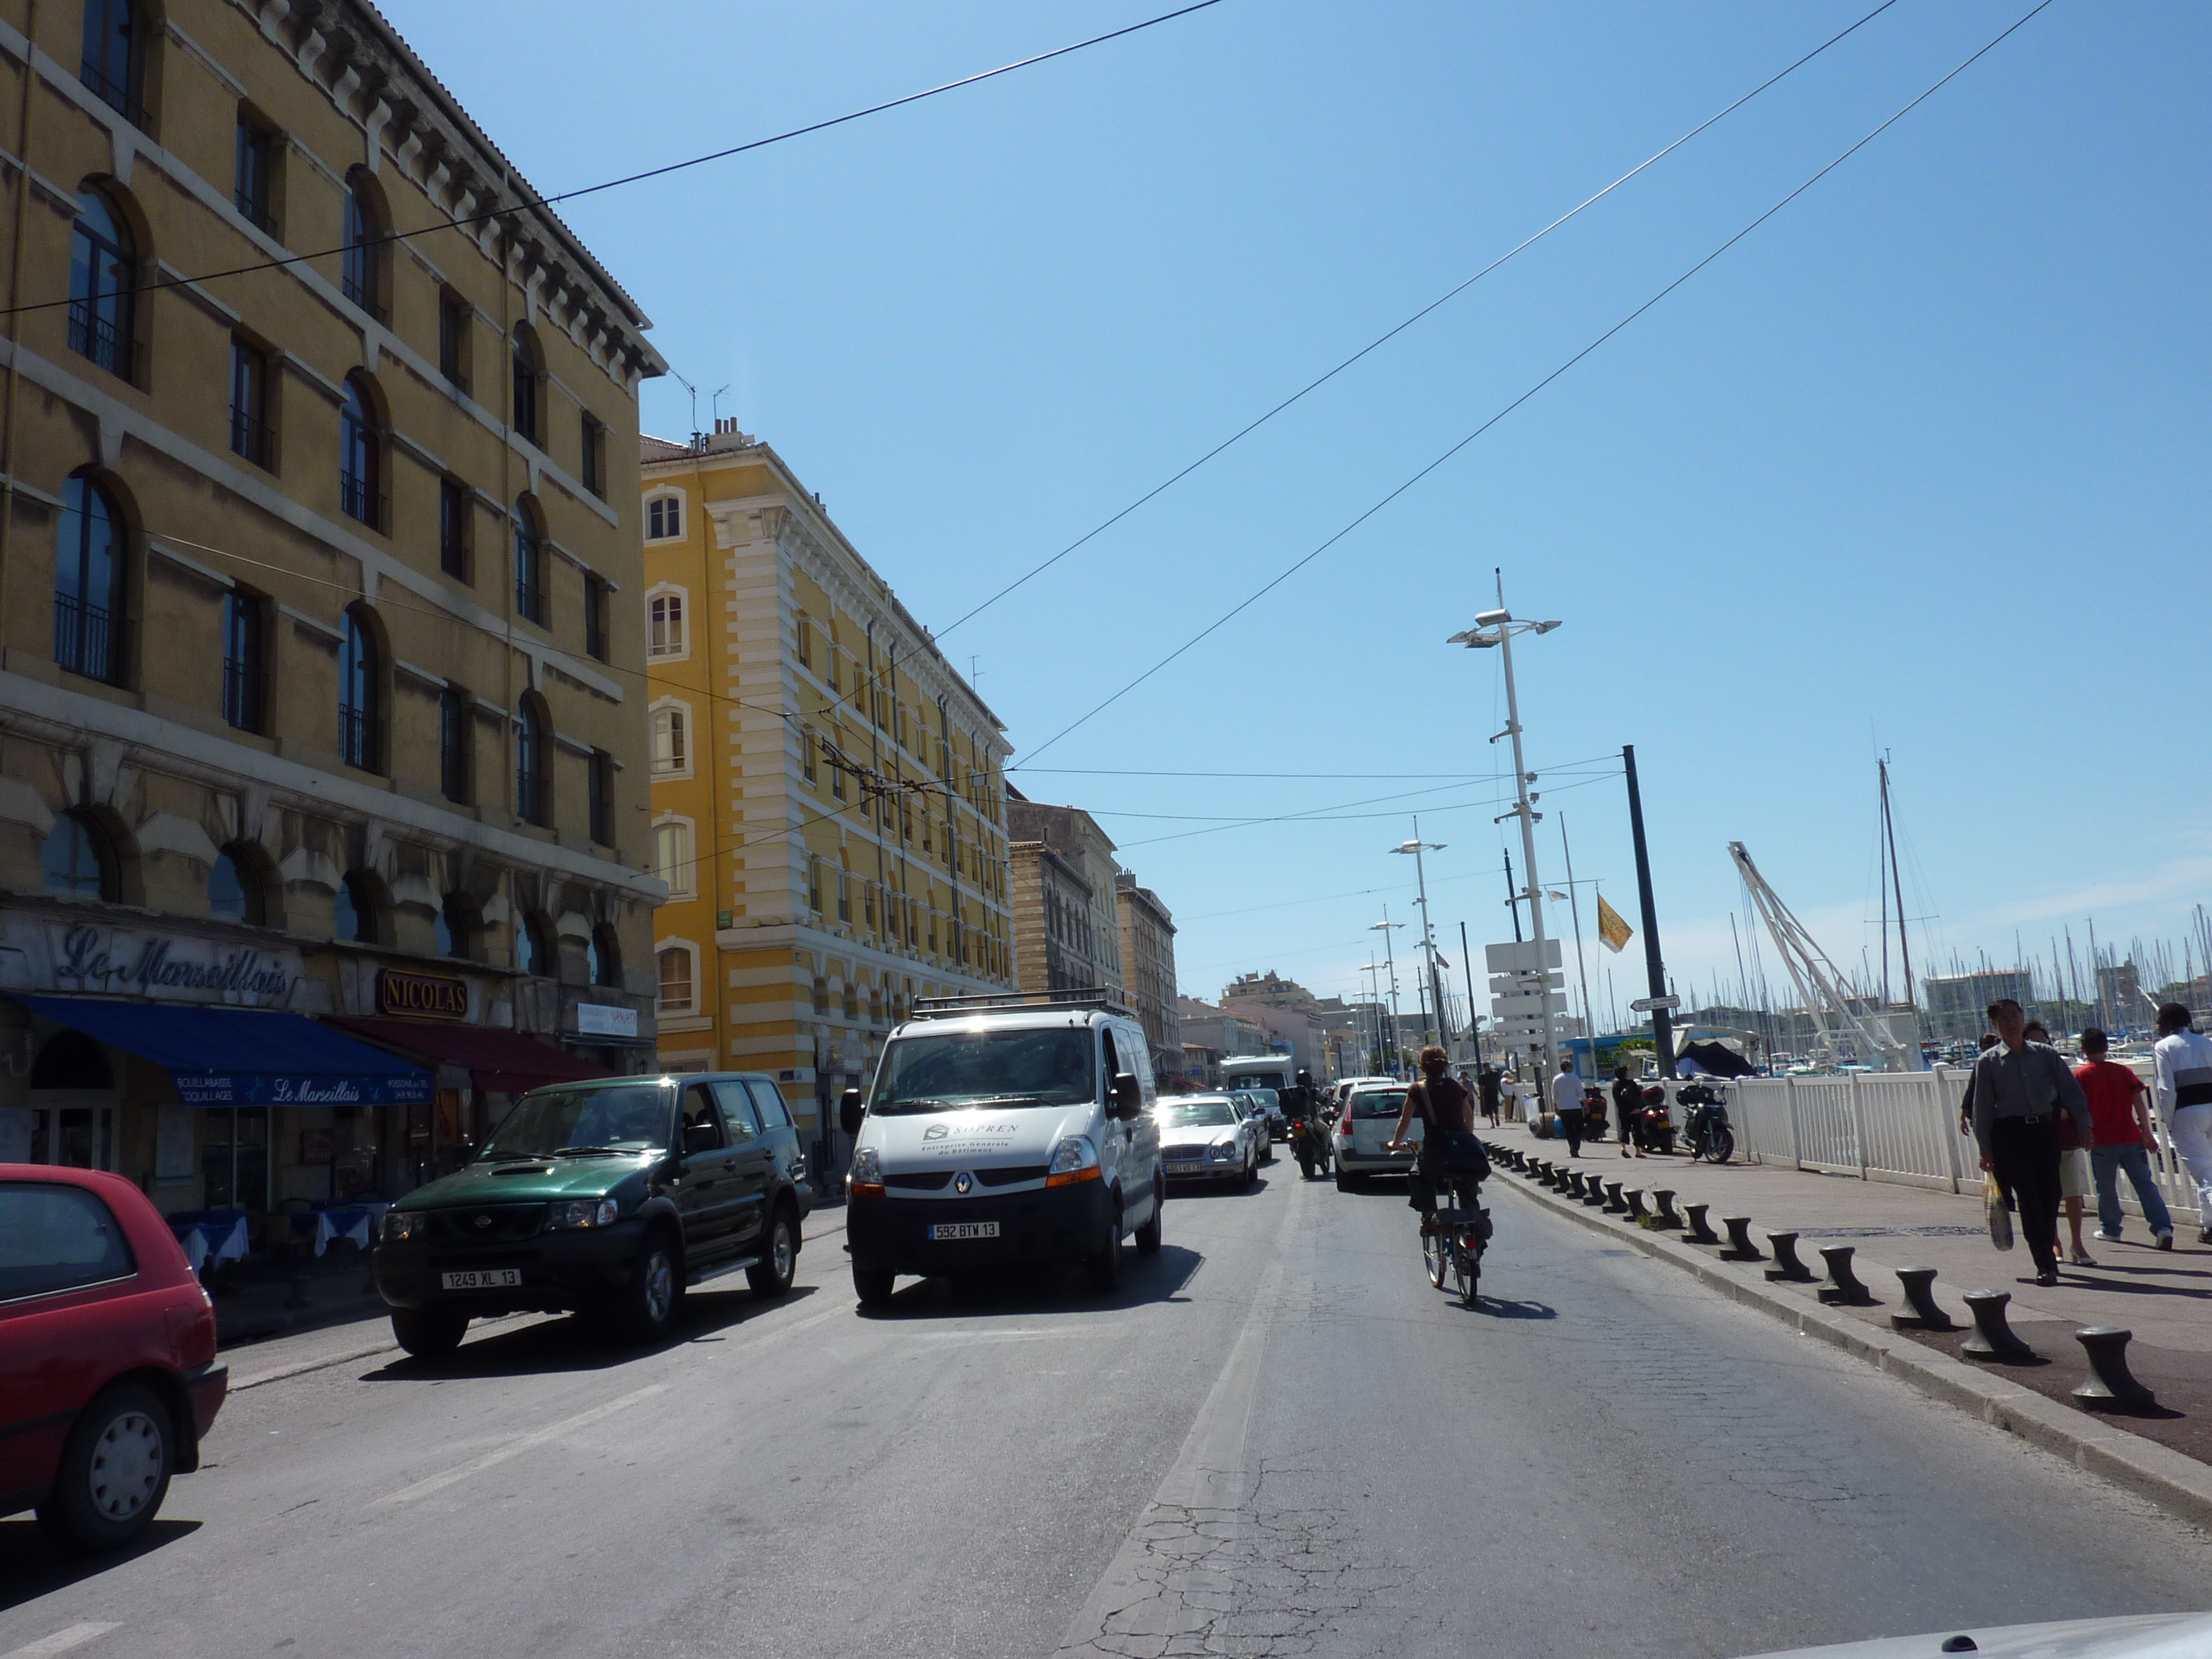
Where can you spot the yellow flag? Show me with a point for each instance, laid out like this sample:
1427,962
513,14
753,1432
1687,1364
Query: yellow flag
1611,928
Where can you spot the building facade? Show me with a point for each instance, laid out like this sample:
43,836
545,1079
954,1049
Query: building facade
1074,837
1054,949
1148,971
319,655
828,796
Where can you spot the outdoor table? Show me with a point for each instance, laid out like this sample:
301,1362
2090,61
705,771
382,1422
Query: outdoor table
355,1222
205,1234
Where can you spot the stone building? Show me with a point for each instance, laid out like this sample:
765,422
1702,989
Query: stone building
1148,971
1055,946
828,795
320,639
1074,838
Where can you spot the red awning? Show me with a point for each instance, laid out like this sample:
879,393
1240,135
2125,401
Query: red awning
497,1060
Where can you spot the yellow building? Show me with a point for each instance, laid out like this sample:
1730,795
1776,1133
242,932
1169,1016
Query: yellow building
828,796
321,653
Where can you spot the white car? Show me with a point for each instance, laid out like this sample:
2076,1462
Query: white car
1363,1131
1253,1103
1206,1138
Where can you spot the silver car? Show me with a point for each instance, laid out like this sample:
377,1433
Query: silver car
1363,1131
1206,1138
1252,1104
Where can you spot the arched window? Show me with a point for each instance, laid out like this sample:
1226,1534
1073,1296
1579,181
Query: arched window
78,858
235,889
672,855
529,561
531,799
674,963
670,749
102,272
602,957
71,1059
525,371
358,911
360,712
534,950
361,457
363,245
458,928
88,581
665,625
112,55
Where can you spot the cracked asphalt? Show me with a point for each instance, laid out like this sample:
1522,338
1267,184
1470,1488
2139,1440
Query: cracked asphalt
1276,1440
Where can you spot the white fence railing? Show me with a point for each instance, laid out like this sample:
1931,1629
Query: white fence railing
1898,1127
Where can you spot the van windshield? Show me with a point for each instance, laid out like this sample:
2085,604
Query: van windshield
942,1072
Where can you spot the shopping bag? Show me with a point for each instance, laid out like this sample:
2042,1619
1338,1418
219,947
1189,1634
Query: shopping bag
2000,1212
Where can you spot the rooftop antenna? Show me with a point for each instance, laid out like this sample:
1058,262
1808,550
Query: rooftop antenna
714,408
694,390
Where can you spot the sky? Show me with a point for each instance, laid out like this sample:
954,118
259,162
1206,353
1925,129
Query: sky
1916,468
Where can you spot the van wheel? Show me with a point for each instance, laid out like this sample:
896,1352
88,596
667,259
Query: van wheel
1148,1236
428,1333
1106,1266
114,1472
647,1307
779,1257
872,1286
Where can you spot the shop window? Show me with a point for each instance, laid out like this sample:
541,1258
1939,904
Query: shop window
112,66
360,693
245,628
235,888
533,738
674,961
88,581
79,859
361,457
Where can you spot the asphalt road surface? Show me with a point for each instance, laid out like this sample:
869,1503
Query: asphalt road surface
1277,1439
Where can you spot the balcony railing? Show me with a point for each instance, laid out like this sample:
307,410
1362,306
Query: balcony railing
357,500
91,335
253,439
357,738
256,213
529,600
84,637
116,97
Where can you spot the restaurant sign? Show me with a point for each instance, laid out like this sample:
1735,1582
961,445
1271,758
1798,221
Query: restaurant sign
422,996
82,957
604,1019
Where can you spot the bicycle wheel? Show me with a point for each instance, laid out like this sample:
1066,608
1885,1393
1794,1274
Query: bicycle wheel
1435,1256
1466,1272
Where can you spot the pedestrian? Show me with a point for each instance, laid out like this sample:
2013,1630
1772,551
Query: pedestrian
2075,1181
1509,1096
2183,1063
1567,1106
1486,1084
1967,1099
2020,1088
2120,1112
1625,1098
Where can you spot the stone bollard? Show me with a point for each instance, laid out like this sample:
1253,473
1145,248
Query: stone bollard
2111,1386
1993,1338
1662,1200
1614,1205
1699,1232
1635,1210
1593,1191
1740,1247
1786,1264
1921,1312
1543,1172
1843,1289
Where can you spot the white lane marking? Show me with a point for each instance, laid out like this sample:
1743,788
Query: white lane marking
515,1448
61,1641
997,1336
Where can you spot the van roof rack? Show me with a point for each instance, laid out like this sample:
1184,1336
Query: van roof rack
1074,999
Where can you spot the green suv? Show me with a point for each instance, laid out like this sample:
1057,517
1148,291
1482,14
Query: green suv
607,1198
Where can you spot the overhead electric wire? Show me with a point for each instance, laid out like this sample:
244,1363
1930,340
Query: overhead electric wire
529,203
1278,581
1384,338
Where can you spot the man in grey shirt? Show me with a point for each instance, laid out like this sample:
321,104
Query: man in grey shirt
2019,1090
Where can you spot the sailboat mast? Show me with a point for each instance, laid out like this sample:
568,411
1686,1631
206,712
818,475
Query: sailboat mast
1897,884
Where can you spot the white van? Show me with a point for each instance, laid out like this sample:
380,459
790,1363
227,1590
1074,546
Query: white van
1003,1130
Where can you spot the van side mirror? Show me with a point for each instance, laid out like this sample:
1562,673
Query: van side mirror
1128,1098
850,1110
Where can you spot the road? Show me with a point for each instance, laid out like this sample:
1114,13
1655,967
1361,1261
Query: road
1277,1439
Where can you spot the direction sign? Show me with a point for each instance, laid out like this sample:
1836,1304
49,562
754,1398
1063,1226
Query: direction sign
1647,1004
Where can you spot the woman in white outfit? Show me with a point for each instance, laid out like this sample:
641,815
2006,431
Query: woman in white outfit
2183,1061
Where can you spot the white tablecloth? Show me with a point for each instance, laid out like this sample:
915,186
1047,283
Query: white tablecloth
203,1239
355,1222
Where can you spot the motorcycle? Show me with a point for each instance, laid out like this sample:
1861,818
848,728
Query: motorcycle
1705,1131
1653,1127
1593,1112
1310,1146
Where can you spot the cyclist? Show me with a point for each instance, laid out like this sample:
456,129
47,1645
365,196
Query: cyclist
1444,1104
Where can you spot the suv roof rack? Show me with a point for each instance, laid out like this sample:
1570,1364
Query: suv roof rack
1074,999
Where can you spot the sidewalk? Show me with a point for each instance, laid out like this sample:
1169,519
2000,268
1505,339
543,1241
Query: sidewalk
2164,1297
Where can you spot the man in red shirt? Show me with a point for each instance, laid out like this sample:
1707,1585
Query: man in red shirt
2120,1114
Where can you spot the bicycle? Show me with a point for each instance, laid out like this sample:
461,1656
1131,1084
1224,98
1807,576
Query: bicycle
1452,1246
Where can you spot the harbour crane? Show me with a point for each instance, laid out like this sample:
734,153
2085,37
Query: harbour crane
1820,986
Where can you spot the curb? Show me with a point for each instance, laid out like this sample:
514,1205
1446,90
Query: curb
2179,1484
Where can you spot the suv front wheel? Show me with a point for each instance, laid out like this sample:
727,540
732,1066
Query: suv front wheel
647,1306
428,1333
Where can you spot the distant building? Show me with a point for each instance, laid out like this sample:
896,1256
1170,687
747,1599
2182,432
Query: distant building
2120,995
1148,971
1288,1013
1082,847
1214,1033
1957,1005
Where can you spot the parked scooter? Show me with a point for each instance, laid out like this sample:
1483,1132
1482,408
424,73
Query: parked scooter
1654,1128
1706,1129
1593,1112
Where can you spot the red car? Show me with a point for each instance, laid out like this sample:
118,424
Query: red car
108,1373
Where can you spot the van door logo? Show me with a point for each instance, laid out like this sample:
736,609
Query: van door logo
935,1131
962,1183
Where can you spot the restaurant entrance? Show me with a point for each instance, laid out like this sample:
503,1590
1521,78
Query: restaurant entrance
234,1157
72,1103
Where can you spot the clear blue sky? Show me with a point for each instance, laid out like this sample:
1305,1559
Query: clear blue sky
1919,466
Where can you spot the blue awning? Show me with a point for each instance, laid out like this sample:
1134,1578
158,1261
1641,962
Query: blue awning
242,1056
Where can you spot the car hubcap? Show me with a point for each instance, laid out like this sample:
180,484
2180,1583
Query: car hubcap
126,1466
781,1253
659,1285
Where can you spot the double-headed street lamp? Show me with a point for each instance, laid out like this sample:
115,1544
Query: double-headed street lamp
1497,628
1383,928
1416,847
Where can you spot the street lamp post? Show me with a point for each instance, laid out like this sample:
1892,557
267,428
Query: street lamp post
1383,928
1417,847
1498,627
